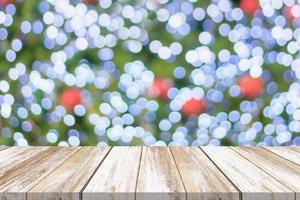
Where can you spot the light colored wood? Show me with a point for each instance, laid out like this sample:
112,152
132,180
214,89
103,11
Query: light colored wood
297,148
20,178
9,154
116,177
3,147
14,156
289,153
286,172
125,173
201,178
158,176
253,182
68,180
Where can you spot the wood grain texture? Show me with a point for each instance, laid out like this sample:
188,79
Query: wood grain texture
20,178
68,180
116,177
284,171
253,182
158,176
11,158
289,153
201,178
144,173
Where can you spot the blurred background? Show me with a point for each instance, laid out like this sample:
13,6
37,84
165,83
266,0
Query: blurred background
149,72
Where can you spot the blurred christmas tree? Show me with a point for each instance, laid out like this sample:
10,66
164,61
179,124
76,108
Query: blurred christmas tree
151,72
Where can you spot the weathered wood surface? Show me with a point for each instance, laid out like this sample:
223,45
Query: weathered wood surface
19,178
201,178
282,170
252,181
117,176
111,173
289,153
69,179
158,176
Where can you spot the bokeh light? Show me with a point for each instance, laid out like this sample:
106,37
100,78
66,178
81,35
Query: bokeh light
213,72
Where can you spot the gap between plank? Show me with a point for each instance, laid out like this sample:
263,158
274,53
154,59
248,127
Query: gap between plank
138,173
236,187
264,170
88,181
52,171
281,156
179,173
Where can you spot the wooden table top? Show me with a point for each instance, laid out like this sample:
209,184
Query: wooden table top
208,173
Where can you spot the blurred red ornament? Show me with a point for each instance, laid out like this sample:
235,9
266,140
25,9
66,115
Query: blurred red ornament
92,2
160,88
288,13
250,87
70,98
193,107
249,6
5,2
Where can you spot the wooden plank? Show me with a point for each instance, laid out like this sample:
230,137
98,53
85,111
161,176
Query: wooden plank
297,148
149,173
117,176
201,177
20,178
11,152
68,180
13,156
158,176
289,153
3,147
253,182
286,172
